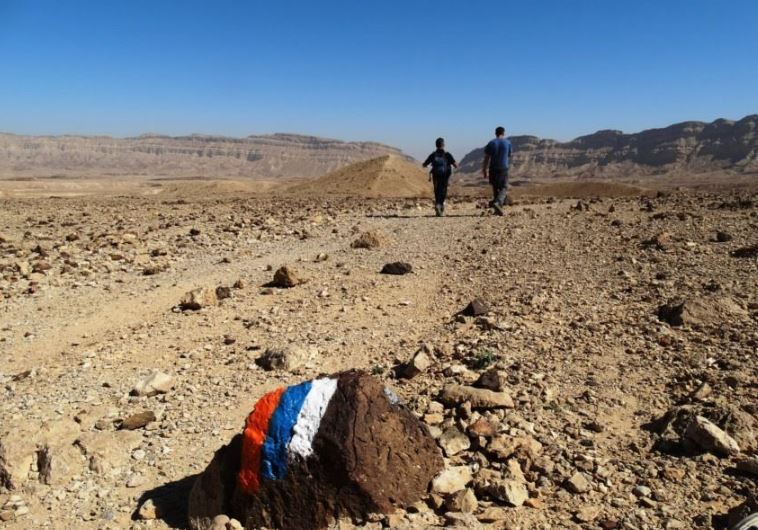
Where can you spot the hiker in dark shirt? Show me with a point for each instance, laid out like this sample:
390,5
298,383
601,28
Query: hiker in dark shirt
442,164
497,159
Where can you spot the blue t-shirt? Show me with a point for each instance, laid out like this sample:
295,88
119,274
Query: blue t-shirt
499,151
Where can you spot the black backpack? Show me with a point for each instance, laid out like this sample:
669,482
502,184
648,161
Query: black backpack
439,165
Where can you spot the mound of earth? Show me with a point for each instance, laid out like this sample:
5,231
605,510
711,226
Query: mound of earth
386,176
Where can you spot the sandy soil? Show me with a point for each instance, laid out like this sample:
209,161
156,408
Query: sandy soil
88,297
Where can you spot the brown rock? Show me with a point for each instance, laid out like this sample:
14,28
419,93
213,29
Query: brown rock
709,437
493,379
479,398
476,307
369,240
397,268
137,421
286,277
370,455
198,298
703,311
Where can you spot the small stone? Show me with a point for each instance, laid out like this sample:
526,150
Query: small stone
419,363
452,479
137,421
709,437
510,491
476,307
748,465
286,277
219,522
479,398
223,292
493,379
198,298
285,358
369,240
578,483
453,442
482,427
587,514
241,283
397,268
493,514
642,491
154,384
148,510
723,237
463,501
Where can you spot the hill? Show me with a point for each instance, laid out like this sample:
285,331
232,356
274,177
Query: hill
268,157
385,176
688,147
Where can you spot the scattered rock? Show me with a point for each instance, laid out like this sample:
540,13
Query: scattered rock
137,421
493,379
222,292
510,491
478,398
199,298
418,364
723,237
287,358
397,268
148,510
369,240
746,252
154,384
475,308
578,483
710,438
463,501
452,479
286,278
453,442
703,311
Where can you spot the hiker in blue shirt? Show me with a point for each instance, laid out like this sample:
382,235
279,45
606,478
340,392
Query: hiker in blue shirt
442,167
497,159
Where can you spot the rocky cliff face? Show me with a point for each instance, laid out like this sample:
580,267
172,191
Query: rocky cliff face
689,146
259,157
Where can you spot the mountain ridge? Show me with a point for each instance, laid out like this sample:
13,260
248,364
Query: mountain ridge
686,146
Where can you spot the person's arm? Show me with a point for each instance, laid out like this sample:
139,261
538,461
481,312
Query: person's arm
451,161
486,165
428,160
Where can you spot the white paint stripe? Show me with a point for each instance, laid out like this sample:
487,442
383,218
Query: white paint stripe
309,419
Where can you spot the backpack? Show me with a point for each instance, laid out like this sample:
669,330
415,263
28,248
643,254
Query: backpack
439,165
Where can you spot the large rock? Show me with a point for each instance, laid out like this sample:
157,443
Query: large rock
335,447
702,311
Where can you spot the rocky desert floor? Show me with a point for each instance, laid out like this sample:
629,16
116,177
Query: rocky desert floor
624,329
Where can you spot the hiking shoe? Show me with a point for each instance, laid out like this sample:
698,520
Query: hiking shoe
498,209
437,210
748,523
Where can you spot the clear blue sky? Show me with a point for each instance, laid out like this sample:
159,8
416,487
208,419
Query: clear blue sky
400,72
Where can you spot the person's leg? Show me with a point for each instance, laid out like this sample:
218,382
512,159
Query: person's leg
502,187
443,191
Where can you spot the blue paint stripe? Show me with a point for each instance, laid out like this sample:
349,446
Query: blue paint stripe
274,450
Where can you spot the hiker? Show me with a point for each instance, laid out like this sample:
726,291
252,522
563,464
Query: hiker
497,158
442,164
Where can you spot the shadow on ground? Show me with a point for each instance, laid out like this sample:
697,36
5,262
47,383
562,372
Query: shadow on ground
170,501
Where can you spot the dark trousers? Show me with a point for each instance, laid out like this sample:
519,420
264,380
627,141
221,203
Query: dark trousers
499,182
440,189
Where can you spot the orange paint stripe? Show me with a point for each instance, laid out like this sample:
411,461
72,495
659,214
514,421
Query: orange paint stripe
253,437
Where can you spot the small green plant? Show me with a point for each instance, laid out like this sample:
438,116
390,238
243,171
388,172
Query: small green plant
484,358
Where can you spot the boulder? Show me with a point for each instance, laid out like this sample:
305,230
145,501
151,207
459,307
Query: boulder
339,446
198,298
397,268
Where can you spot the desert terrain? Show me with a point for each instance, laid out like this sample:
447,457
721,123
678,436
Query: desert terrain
615,315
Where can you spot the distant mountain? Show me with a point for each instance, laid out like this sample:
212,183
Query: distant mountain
256,157
690,146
